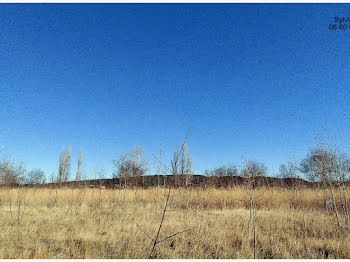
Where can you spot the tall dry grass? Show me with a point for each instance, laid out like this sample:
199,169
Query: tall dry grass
101,223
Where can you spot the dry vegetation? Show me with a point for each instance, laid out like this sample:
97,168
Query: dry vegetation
102,223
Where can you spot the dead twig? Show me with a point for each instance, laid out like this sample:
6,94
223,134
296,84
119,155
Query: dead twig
144,232
167,195
189,229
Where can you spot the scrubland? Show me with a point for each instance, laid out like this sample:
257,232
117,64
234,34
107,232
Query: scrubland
105,223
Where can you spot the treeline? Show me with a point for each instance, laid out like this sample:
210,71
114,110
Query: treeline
324,164
170,180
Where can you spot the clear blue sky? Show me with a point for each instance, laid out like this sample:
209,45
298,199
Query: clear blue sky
252,80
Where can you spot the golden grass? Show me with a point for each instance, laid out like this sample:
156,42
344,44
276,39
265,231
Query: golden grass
98,223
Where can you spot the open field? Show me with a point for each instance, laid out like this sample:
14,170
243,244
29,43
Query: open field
101,223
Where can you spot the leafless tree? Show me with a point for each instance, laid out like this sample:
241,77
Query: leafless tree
80,162
327,164
10,173
36,176
341,177
182,166
131,165
222,171
53,177
156,239
291,170
64,165
288,170
159,168
99,172
251,171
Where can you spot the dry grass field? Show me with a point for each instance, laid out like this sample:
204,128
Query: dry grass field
102,223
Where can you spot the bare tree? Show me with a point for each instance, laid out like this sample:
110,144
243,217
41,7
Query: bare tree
174,162
181,166
36,176
80,162
317,166
156,239
327,165
251,171
53,177
10,173
288,170
223,170
99,172
159,168
64,165
341,177
291,170
131,165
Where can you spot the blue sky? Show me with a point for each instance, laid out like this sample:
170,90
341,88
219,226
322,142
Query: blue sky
253,80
